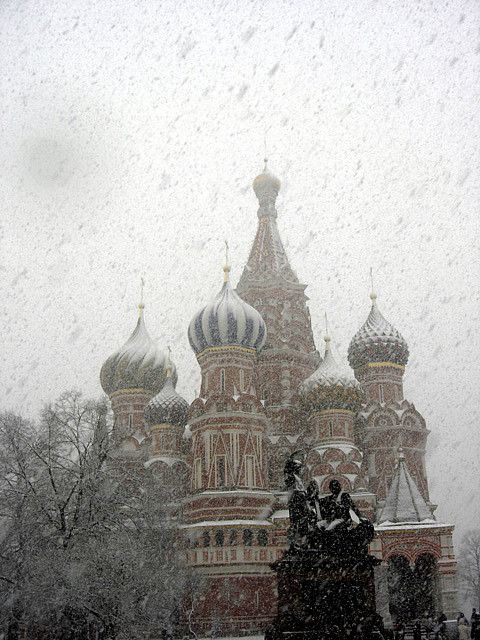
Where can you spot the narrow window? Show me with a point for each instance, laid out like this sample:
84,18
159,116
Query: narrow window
380,391
219,538
249,472
330,428
222,380
220,470
346,428
130,421
206,381
372,472
242,380
233,537
206,538
264,396
198,474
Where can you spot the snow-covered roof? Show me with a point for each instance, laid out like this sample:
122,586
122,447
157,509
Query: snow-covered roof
330,373
404,502
205,524
281,514
227,320
377,341
168,460
138,364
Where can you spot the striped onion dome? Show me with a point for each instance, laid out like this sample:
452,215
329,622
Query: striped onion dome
168,406
227,320
331,386
377,341
138,364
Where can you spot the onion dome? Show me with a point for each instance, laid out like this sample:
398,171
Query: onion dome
139,364
168,406
377,341
266,187
227,320
331,386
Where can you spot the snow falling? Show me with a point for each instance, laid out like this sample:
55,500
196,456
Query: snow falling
131,134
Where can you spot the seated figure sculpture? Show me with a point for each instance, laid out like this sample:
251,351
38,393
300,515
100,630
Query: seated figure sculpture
333,523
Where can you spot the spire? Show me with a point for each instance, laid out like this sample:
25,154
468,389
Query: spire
327,335
267,259
168,363
404,502
226,267
141,305
373,295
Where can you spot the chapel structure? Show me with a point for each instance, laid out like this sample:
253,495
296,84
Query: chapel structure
267,392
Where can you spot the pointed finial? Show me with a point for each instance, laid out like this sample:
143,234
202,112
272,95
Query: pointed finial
327,336
141,305
401,455
168,364
265,159
373,295
226,268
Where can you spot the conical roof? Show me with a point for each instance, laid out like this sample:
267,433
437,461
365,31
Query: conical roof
377,341
138,364
268,259
332,385
404,502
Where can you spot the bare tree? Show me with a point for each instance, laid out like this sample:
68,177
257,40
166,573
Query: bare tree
84,539
469,565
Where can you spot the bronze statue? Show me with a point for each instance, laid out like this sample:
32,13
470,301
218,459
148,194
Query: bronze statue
332,523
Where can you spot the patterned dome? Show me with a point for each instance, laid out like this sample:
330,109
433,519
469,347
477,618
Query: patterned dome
331,386
377,341
227,320
167,407
139,364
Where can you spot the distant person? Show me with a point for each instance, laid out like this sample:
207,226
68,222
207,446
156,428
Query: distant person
441,627
463,629
475,625
429,626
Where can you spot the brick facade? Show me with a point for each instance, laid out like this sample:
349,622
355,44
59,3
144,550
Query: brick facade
249,417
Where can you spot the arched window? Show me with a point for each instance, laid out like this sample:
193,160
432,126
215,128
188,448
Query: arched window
219,538
249,471
206,538
247,537
262,538
222,380
233,537
330,428
242,380
220,471
381,393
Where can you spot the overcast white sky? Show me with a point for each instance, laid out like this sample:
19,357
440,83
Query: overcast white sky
130,135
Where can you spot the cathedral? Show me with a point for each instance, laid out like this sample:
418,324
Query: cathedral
265,393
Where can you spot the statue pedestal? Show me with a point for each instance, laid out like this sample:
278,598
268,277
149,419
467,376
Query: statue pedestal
321,595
